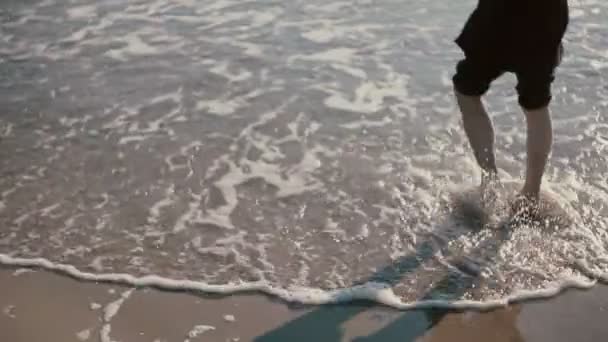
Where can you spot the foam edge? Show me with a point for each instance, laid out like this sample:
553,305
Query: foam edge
376,292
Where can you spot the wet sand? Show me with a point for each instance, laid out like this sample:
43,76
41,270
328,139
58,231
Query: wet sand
42,306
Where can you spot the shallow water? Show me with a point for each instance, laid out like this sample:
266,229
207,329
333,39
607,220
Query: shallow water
294,144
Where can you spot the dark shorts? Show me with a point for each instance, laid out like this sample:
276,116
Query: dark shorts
500,37
474,76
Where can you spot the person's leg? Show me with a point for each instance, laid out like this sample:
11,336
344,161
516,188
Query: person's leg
538,146
478,128
534,89
471,81
539,53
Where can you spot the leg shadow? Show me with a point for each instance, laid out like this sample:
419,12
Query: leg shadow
324,323
405,329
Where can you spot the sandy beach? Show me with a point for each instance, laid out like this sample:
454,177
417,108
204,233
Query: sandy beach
41,306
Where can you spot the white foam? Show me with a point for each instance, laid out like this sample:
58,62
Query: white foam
338,55
83,335
193,209
80,12
131,138
356,72
298,181
109,312
367,123
199,330
330,7
9,311
7,130
168,200
320,35
97,263
104,333
372,291
229,318
576,13
369,96
46,211
112,309
135,46
326,31
220,107
21,271
222,70
226,105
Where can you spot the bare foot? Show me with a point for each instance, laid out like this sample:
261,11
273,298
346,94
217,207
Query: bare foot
526,207
488,178
489,188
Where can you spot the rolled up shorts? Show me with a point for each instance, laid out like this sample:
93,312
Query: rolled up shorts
496,40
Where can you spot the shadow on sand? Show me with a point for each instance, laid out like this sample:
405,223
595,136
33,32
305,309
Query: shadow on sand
324,323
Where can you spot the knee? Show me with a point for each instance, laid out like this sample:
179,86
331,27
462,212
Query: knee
464,99
466,88
466,95
534,95
534,87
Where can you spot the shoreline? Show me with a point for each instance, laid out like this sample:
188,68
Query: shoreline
375,293
44,306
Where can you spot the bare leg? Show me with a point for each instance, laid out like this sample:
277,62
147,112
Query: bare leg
539,140
479,130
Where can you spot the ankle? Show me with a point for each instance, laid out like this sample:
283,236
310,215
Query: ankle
530,193
489,174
